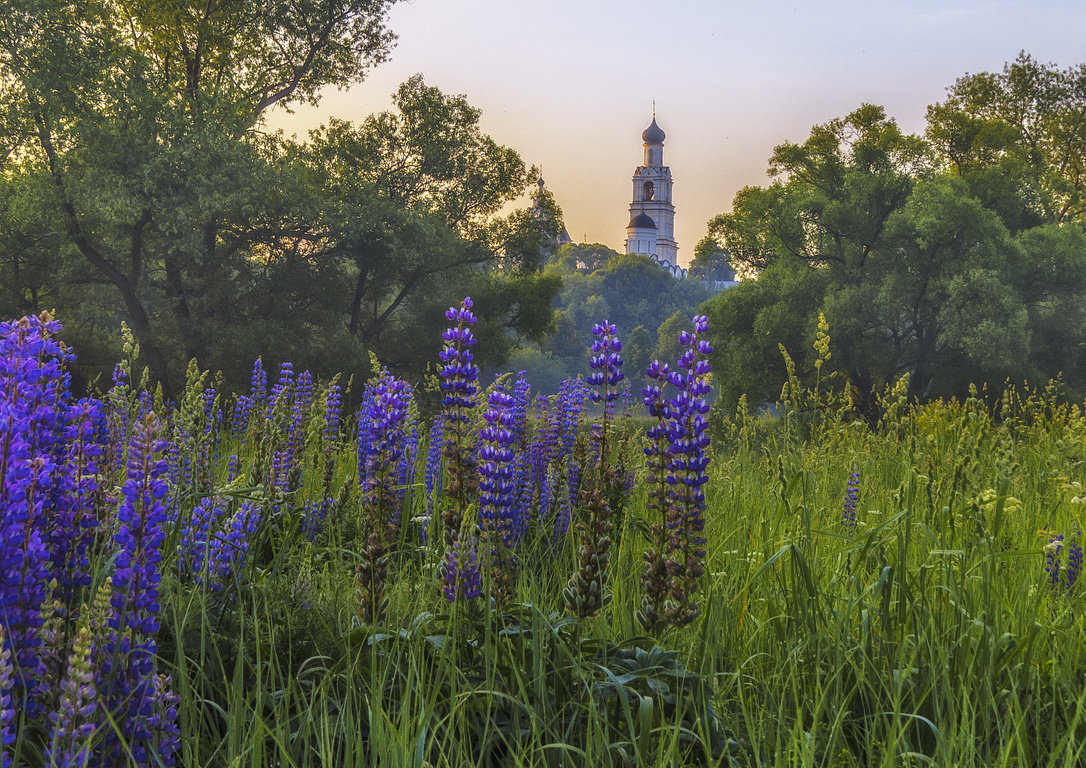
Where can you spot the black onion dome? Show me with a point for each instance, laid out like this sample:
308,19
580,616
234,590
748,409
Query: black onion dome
654,134
642,221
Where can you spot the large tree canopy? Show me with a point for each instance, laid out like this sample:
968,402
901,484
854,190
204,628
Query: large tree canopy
946,256
137,184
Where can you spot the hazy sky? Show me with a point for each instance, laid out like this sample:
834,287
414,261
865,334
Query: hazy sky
569,84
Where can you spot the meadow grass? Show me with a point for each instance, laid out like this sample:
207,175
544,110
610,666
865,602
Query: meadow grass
927,634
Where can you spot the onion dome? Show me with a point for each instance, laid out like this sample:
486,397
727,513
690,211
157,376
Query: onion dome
641,221
654,134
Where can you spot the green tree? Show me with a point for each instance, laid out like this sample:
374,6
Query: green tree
919,265
1021,132
710,262
144,121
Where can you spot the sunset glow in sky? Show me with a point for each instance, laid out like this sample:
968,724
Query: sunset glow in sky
570,84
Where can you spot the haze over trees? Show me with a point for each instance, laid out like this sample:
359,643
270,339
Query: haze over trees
955,257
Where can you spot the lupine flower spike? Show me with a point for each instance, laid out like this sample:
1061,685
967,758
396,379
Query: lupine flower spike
462,578
654,578
497,493
688,443
459,385
852,497
586,592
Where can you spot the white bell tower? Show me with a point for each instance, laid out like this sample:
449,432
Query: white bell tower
652,216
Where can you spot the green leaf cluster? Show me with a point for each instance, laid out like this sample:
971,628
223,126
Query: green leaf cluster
139,183
947,256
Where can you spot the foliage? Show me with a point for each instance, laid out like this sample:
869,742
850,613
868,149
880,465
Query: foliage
140,185
874,593
630,290
924,253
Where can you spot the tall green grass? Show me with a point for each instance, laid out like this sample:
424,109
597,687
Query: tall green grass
926,635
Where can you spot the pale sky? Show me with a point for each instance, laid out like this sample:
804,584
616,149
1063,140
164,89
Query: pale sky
570,84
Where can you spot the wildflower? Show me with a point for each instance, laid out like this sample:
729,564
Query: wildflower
1052,560
852,497
73,723
462,578
688,442
7,707
1074,563
1060,577
459,385
654,579
586,593
497,492
239,421
126,668
33,414
381,432
226,554
432,474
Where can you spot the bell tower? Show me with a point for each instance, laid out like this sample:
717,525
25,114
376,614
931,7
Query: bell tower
652,216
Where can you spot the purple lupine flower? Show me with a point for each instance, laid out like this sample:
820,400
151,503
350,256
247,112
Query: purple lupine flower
459,386
383,435
1074,562
572,396
283,386
405,469
239,421
688,442
233,466
72,531
212,412
73,724
496,489
459,375
228,547
497,493
258,384
140,537
852,497
314,514
7,703
382,422
196,534
33,397
521,400
432,475
523,492
163,721
463,580
1052,560
543,451
303,392
562,519
606,365
125,669
655,578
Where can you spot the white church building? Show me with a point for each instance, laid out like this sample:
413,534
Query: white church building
651,230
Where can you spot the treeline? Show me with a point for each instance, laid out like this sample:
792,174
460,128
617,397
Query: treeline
139,184
645,303
956,257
